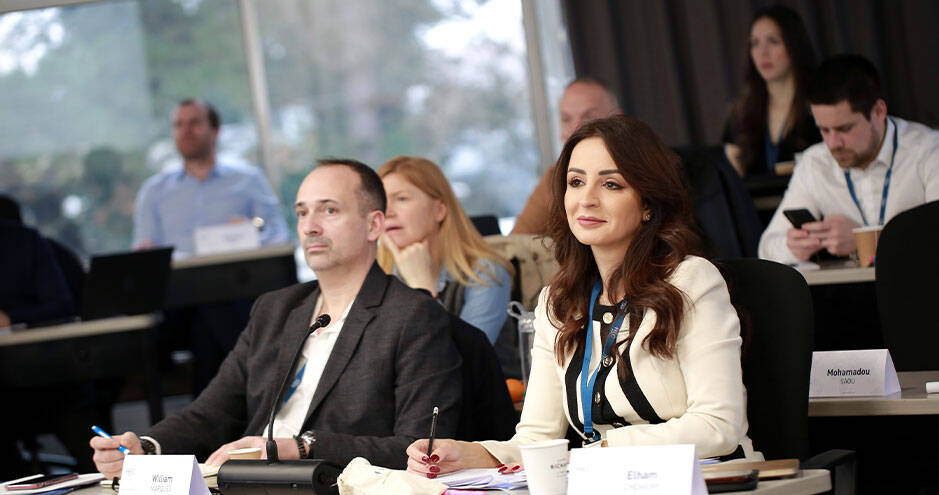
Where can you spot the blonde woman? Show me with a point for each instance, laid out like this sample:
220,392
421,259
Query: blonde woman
431,244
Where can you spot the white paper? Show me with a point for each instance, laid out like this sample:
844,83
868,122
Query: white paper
162,474
867,372
83,479
224,238
932,387
482,478
657,469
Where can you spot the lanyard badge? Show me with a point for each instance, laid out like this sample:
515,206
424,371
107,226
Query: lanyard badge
587,379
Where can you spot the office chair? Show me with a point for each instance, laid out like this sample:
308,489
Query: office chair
907,271
777,324
486,225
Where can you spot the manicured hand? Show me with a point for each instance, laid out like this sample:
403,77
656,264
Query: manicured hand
447,456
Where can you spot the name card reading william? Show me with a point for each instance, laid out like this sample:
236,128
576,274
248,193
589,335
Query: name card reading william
672,469
853,373
162,475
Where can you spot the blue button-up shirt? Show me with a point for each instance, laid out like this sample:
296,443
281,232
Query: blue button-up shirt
484,307
171,205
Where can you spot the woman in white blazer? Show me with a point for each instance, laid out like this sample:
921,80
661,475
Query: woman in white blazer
660,361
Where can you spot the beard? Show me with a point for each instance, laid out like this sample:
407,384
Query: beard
848,158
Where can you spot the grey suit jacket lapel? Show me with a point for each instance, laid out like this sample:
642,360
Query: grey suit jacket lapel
296,330
360,314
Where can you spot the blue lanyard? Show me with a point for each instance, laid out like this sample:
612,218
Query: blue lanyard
586,378
883,198
295,383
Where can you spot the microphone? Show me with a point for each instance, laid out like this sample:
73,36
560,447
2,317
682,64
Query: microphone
276,477
321,321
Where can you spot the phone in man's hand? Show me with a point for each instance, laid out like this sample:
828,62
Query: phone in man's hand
799,216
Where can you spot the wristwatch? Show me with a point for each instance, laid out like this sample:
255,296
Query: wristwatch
148,447
305,442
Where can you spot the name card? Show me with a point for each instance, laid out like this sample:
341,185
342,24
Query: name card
223,238
852,373
672,469
162,475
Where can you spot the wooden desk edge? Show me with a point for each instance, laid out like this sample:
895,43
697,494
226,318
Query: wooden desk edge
838,275
81,329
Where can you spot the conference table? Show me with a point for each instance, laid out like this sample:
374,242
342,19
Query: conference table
837,272
809,482
230,276
88,350
912,400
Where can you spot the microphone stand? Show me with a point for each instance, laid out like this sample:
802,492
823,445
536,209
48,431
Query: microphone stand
276,477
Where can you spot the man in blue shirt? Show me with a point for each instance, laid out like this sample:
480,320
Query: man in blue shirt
171,205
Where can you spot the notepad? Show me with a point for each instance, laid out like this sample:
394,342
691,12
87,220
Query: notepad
82,480
483,478
781,468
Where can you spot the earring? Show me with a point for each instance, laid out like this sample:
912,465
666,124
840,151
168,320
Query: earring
647,217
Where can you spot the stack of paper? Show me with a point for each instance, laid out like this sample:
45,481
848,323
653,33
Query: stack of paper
484,478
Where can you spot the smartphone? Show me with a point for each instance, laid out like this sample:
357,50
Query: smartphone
732,481
799,216
42,481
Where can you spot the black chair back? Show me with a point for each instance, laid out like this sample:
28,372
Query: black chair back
775,309
486,225
488,412
907,271
72,269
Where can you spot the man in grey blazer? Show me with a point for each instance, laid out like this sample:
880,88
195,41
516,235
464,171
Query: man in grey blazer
366,384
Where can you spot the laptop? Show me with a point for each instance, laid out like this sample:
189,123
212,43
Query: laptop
129,283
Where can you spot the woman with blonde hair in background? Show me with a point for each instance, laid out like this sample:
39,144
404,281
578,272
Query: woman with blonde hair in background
431,244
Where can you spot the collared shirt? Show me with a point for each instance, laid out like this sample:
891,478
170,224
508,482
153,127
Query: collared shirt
818,184
171,205
315,354
484,306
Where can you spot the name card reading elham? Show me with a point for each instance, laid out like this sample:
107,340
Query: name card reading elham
672,469
853,373
162,475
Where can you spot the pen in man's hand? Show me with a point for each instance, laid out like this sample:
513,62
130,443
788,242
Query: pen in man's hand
102,433
433,432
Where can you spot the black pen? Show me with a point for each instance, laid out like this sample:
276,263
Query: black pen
433,432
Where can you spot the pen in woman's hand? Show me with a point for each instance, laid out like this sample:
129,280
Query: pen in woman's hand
433,432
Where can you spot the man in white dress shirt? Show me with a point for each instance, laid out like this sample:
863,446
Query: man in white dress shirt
869,168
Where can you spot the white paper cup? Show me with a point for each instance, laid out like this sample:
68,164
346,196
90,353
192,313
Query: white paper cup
546,467
248,453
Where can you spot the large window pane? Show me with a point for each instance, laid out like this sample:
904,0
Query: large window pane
87,93
372,79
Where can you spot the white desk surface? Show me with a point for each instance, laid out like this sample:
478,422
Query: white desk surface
809,482
253,254
838,272
80,329
912,400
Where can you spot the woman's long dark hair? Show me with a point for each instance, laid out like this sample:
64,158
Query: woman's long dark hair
660,244
750,110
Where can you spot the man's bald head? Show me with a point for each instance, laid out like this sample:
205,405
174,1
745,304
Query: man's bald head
585,99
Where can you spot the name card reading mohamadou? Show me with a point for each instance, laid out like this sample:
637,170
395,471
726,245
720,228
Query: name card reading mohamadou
853,373
162,475
636,470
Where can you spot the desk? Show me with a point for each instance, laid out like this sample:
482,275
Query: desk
230,276
838,272
810,482
911,401
73,352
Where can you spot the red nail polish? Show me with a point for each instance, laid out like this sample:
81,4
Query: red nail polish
500,465
502,469
434,469
425,459
516,469
431,475
435,458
